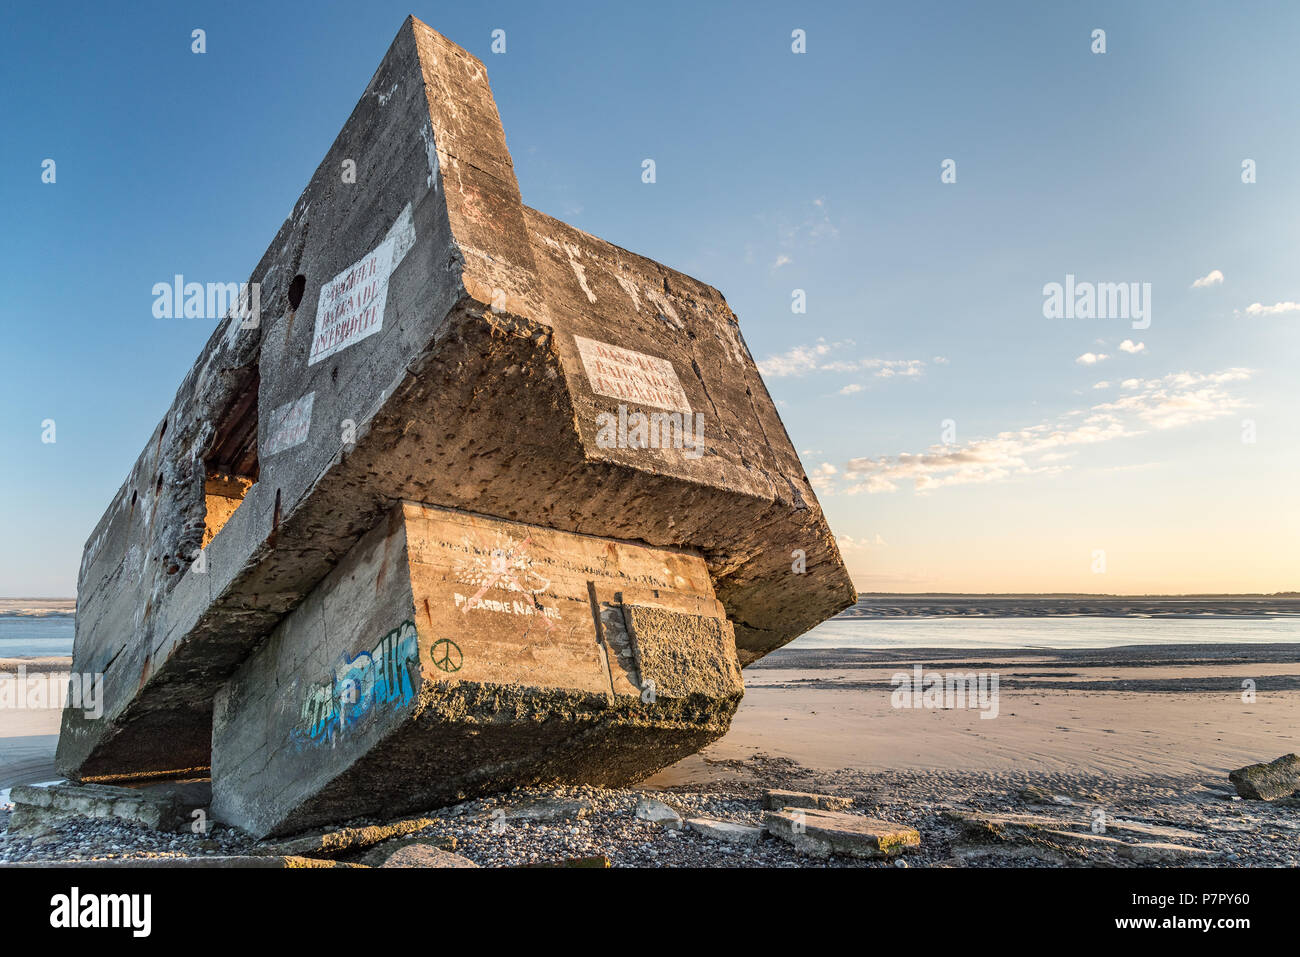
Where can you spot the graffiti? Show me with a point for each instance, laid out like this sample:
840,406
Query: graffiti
505,565
445,655
386,675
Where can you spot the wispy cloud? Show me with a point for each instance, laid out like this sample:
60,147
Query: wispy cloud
823,475
817,357
1168,402
1091,358
849,544
1277,309
1212,278
813,227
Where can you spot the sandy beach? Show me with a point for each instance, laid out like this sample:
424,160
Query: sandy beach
29,736
1171,711
1141,734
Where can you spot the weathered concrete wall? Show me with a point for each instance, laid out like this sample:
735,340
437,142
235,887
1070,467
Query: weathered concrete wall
505,337
409,650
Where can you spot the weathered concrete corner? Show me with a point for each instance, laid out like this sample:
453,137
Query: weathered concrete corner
478,500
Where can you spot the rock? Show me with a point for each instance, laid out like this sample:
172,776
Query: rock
820,833
377,855
1036,795
728,831
1161,852
596,860
547,811
424,854
774,800
1268,782
657,812
338,840
1030,835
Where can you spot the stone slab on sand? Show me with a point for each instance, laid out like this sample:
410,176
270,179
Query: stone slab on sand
774,800
1062,839
820,833
728,831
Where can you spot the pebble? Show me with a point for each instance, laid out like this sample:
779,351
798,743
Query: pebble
1249,833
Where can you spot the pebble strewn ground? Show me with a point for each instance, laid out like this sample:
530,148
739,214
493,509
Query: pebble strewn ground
601,822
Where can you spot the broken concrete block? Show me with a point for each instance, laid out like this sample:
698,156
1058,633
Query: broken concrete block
775,799
349,839
728,831
1039,835
1268,782
167,806
657,812
474,501
820,833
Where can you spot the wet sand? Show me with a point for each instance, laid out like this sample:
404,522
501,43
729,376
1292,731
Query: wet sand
28,737
1146,711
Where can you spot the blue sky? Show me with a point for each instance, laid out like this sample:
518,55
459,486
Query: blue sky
775,171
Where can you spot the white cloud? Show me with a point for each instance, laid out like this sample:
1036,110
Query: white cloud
803,360
848,543
1102,385
1172,401
1129,346
851,388
782,260
1091,358
823,476
1212,278
1277,309
940,360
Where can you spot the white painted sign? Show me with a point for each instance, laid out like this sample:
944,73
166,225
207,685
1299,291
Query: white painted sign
351,305
631,376
289,424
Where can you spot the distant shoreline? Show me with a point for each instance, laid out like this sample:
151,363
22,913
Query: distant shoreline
882,605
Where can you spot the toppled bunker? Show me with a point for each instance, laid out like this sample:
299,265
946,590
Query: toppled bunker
480,500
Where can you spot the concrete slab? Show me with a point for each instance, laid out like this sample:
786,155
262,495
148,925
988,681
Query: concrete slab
820,833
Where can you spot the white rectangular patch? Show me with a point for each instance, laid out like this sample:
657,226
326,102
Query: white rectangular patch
631,376
289,424
351,305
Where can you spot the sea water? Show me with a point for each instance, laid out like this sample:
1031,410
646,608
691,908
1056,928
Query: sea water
1073,631
26,636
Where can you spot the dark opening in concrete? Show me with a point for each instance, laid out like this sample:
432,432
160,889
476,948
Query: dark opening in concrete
232,464
296,288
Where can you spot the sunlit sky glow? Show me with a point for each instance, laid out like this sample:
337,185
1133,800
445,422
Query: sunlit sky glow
959,439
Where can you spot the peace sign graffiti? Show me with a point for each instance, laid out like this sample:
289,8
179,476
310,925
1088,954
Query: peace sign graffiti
446,655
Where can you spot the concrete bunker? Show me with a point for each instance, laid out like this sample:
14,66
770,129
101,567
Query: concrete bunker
433,563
